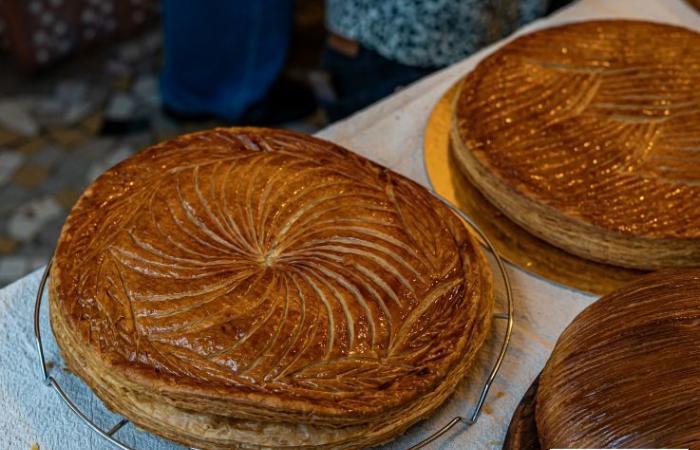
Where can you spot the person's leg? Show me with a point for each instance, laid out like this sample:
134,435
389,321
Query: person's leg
221,56
364,78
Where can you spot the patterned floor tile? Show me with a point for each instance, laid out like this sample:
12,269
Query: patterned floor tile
8,137
13,196
67,198
47,156
15,115
10,161
115,157
121,83
12,267
32,145
28,220
69,137
30,175
92,123
7,245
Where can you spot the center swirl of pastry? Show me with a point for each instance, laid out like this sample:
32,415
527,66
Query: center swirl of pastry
273,264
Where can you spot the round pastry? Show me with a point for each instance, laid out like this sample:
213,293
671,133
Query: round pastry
255,288
522,430
626,372
588,136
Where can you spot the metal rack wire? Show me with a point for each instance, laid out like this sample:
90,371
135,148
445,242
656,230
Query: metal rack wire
109,434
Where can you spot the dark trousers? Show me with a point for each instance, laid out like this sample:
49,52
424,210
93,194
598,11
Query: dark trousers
364,78
221,56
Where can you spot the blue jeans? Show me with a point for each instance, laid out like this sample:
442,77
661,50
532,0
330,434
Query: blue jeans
221,56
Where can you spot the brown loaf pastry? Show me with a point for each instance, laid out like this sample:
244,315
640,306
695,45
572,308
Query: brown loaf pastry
255,288
522,430
588,136
626,372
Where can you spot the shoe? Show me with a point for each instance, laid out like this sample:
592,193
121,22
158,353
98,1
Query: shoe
286,101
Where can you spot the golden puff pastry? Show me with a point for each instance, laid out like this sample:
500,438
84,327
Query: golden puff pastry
257,288
588,136
626,372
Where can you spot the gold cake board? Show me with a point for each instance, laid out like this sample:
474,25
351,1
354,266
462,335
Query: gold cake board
513,243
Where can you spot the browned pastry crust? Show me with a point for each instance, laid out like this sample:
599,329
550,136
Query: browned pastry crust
256,288
588,135
626,372
522,430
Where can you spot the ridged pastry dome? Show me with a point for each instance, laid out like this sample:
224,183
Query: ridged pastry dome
258,278
626,372
588,135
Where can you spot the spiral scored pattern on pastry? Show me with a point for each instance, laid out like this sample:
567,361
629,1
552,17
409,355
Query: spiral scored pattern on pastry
262,276
591,130
626,372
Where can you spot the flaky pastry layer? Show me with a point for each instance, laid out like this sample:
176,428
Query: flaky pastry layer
246,279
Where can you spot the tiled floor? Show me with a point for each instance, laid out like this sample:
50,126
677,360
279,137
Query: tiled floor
52,145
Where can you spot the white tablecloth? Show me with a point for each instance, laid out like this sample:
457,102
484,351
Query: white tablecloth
390,132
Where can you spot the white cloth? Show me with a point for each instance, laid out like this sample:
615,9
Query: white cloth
389,132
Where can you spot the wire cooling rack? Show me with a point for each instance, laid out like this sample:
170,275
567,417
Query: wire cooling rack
468,420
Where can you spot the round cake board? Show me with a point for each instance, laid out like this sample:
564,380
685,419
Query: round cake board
522,431
512,242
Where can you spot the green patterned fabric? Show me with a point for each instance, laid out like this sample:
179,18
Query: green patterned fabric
429,32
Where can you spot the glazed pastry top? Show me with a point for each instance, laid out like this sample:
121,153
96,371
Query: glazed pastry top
253,261
626,372
599,120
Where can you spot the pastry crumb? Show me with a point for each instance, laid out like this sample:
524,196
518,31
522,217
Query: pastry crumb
34,446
